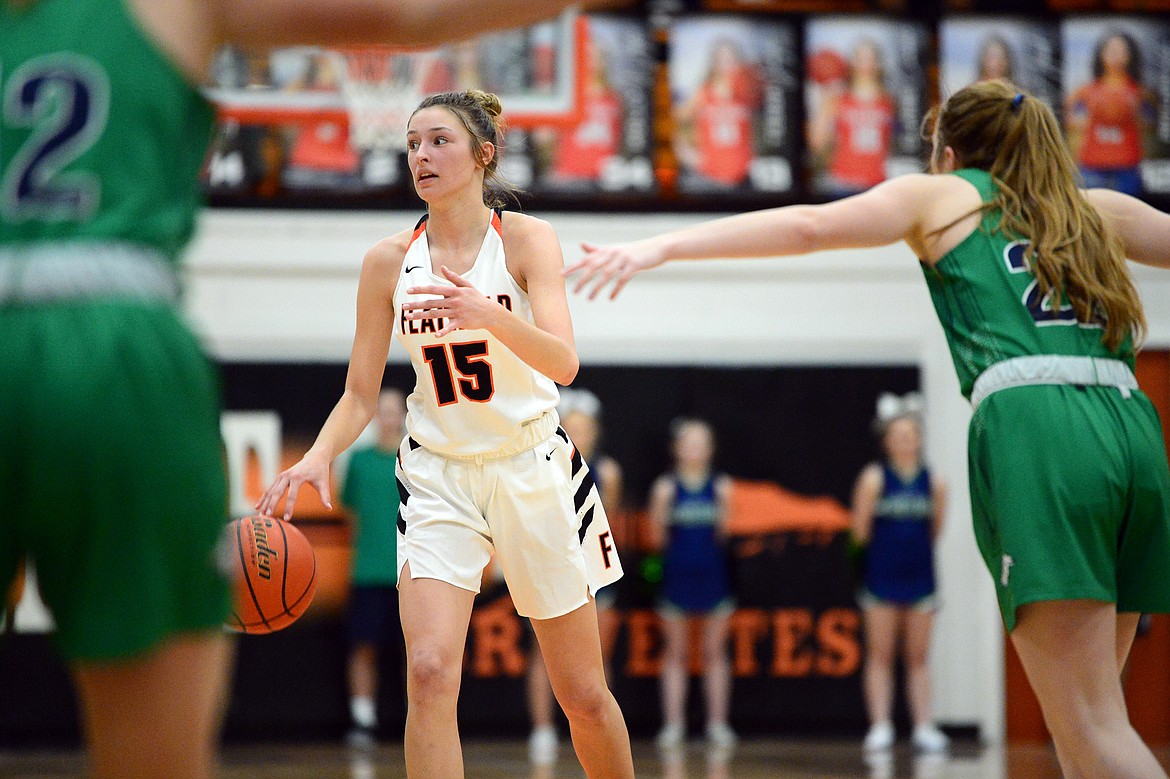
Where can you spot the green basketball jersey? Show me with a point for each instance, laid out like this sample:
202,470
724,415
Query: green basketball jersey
990,306
371,492
101,136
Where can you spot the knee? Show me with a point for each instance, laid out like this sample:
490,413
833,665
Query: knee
714,656
1088,728
879,657
916,659
586,703
431,675
675,653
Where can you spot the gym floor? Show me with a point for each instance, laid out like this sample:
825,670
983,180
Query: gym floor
752,759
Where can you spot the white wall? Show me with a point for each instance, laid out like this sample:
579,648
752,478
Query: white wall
280,286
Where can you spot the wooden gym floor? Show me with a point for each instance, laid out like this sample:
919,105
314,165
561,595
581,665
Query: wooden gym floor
752,759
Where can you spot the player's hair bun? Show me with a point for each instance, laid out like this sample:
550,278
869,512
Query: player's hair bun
488,101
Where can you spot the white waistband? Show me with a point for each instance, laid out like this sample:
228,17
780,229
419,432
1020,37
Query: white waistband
72,270
1053,369
531,434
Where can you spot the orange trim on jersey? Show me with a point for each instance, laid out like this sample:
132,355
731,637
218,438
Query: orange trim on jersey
419,229
497,222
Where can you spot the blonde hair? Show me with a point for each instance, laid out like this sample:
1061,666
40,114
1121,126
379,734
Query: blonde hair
993,126
482,115
892,407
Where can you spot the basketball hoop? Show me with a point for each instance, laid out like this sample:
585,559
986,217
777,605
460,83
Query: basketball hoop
381,87
373,90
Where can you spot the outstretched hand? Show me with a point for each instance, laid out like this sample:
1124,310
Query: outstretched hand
461,307
312,470
603,264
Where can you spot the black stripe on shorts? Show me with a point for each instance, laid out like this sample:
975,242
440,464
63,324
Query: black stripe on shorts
583,491
586,521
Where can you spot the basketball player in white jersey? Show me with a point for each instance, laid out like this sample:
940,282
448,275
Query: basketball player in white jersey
477,298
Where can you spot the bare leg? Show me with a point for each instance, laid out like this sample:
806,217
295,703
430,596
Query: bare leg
1126,632
158,715
363,671
717,666
881,639
675,673
1066,769
916,648
435,616
1069,650
539,689
1127,623
608,624
572,652
542,741
362,676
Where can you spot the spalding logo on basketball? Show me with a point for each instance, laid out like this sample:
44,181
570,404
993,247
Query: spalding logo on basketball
275,573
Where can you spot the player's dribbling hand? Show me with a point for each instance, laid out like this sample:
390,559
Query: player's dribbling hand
462,306
311,470
603,264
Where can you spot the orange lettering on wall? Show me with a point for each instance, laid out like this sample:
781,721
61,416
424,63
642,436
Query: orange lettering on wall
802,643
792,655
747,627
496,632
838,636
644,639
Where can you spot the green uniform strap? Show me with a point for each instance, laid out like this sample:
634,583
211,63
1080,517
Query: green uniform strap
981,180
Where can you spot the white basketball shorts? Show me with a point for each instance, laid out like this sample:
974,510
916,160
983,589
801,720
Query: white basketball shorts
537,510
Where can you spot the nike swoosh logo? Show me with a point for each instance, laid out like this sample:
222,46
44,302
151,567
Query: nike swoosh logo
409,268
550,454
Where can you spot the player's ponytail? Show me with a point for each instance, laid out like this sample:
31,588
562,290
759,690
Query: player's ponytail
482,115
993,126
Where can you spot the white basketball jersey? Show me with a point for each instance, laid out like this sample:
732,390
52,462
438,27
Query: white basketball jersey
472,395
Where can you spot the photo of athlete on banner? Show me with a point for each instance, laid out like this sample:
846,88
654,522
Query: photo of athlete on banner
733,96
865,90
609,150
1024,51
1117,101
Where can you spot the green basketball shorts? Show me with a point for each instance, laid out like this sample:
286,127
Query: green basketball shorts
1070,494
111,473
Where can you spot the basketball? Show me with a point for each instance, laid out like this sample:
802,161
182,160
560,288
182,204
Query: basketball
826,66
276,575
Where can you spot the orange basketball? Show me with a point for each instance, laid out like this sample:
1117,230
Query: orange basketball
825,66
276,574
